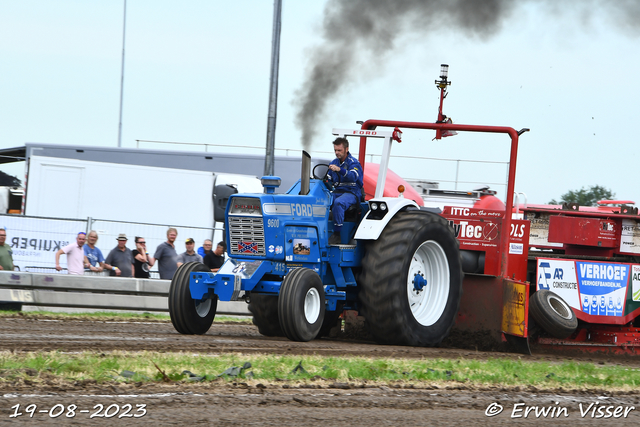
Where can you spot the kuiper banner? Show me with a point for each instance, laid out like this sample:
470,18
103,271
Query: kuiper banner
35,241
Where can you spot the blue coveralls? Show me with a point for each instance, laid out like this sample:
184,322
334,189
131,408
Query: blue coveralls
347,188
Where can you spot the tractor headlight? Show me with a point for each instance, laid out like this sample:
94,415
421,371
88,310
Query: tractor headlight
377,211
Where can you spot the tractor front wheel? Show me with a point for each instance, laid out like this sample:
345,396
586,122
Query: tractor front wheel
301,305
265,314
412,280
190,316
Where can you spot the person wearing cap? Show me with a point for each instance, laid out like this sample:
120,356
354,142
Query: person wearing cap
166,255
120,259
190,255
76,260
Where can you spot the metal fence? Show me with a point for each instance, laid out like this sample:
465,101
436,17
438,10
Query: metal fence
452,172
35,240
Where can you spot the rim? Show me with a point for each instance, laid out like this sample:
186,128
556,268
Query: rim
428,304
312,306
559,306
203,307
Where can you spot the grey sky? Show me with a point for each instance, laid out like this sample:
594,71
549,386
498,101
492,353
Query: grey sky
198,71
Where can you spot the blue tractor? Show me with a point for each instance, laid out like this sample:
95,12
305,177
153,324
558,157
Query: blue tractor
399,266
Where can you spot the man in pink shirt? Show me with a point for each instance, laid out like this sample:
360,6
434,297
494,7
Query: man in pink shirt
76,259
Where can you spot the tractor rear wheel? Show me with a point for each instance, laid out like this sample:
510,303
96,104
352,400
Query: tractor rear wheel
331,319
190,316
411,281
301,304
265,314
553,314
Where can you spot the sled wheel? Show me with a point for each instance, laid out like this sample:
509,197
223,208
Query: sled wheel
553,314
301,304
265,314
412,280
190,316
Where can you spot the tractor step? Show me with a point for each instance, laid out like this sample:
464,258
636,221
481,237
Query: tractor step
343,245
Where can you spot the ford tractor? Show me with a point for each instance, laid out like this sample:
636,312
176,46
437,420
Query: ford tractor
399,264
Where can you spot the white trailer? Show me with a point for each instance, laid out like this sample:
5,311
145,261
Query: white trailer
72,188
138,186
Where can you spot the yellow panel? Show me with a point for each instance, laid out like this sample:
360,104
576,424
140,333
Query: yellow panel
514,313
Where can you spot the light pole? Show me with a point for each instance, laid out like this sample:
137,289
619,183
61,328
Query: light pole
273,89
124,26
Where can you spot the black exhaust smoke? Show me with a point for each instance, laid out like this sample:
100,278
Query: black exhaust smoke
355,32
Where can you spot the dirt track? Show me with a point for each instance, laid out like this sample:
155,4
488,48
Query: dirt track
256,404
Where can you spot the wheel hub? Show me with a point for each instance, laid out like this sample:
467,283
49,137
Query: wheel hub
559,307
312,306
429,265
203,307
419,282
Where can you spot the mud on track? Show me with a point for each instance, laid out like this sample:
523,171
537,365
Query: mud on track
30,333
252,403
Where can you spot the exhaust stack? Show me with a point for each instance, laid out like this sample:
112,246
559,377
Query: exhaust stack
305,177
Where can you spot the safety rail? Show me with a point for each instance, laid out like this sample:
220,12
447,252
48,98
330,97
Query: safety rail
94,292
354,151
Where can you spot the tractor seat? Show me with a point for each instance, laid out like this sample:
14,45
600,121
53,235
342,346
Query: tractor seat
352,214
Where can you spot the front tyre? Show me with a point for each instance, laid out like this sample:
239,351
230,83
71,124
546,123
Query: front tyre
264,309
190,316
301,305
412,280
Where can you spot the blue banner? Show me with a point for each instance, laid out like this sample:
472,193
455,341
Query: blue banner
603,287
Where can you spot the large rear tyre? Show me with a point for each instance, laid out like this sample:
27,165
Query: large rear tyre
331,319
412,280
301,304
190,316
265,314
553,314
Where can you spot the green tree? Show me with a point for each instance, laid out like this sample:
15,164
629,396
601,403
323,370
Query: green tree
585,196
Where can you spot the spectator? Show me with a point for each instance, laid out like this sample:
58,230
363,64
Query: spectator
93,254
120,259
166,256
75,255
215,259
190,255
6,254
142,262
205,249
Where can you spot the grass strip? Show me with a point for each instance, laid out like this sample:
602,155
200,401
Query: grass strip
152,366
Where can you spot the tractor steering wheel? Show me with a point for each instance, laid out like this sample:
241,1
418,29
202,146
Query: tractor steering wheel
323,171
322,174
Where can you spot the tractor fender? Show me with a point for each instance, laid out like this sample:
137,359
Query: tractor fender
373,223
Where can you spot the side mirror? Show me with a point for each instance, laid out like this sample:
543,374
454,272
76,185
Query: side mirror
221,194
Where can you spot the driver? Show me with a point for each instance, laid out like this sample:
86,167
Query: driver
345,173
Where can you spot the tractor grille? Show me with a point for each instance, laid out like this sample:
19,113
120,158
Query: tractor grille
247,236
